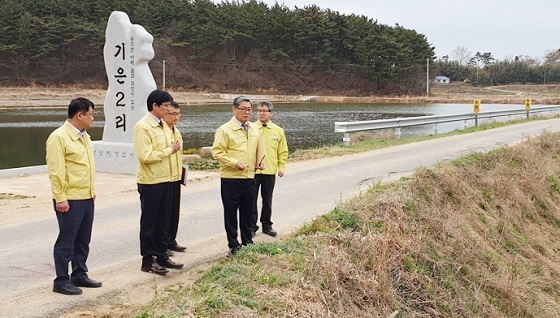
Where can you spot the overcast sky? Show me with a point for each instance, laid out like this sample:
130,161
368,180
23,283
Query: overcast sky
503,28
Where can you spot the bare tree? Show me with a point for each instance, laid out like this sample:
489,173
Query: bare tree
551,64
552,56
462,55
527,60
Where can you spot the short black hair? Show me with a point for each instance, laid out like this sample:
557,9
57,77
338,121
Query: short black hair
176,105
79,105
159,97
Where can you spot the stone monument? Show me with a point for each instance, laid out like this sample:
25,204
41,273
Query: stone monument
128,49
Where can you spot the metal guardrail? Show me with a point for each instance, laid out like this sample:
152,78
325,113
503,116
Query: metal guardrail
398,123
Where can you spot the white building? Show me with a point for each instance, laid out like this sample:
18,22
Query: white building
442,79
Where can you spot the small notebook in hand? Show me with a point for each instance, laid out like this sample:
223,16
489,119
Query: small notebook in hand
184,172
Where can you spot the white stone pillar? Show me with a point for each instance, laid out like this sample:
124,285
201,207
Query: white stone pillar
128,49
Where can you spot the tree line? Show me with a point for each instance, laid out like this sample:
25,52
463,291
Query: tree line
233,45
482,69
240,46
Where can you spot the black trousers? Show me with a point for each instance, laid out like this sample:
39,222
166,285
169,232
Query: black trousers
266,184
238,194
175,212
154,221
73,240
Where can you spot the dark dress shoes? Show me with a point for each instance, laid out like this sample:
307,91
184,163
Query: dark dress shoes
270,232
233,251
67,289
88,282
254,231
170,264
177,248
154,268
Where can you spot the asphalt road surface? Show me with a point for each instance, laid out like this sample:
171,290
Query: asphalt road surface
28,228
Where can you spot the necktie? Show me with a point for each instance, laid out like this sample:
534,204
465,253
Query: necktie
244,125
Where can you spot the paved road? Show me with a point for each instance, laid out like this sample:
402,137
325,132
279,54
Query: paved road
308,189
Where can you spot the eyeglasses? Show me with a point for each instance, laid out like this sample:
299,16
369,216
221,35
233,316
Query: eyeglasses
245,110
173,114
264,111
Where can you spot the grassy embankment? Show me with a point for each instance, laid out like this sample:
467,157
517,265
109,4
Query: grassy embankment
476,237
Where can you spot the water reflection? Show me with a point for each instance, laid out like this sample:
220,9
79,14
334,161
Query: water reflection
23,132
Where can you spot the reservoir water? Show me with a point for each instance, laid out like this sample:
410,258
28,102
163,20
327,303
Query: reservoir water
23,132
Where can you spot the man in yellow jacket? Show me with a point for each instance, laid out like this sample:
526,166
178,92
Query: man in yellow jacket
153,148
172,118
72,176
236,146
275,161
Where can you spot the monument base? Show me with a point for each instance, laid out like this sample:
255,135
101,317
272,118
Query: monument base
117,157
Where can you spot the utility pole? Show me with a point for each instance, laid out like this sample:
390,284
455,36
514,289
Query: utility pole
477,75
427,76
163,74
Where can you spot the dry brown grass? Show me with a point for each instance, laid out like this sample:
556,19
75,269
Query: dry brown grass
504,94
383,134
474,239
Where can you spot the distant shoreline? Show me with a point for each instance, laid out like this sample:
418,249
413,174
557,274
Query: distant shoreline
59,97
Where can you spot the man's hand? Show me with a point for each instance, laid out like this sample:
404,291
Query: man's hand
175,146
280,174
241,166
62,207
261,166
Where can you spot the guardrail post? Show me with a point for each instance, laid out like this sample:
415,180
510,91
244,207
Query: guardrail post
465,124
435,129
346,139
398,132
476,120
